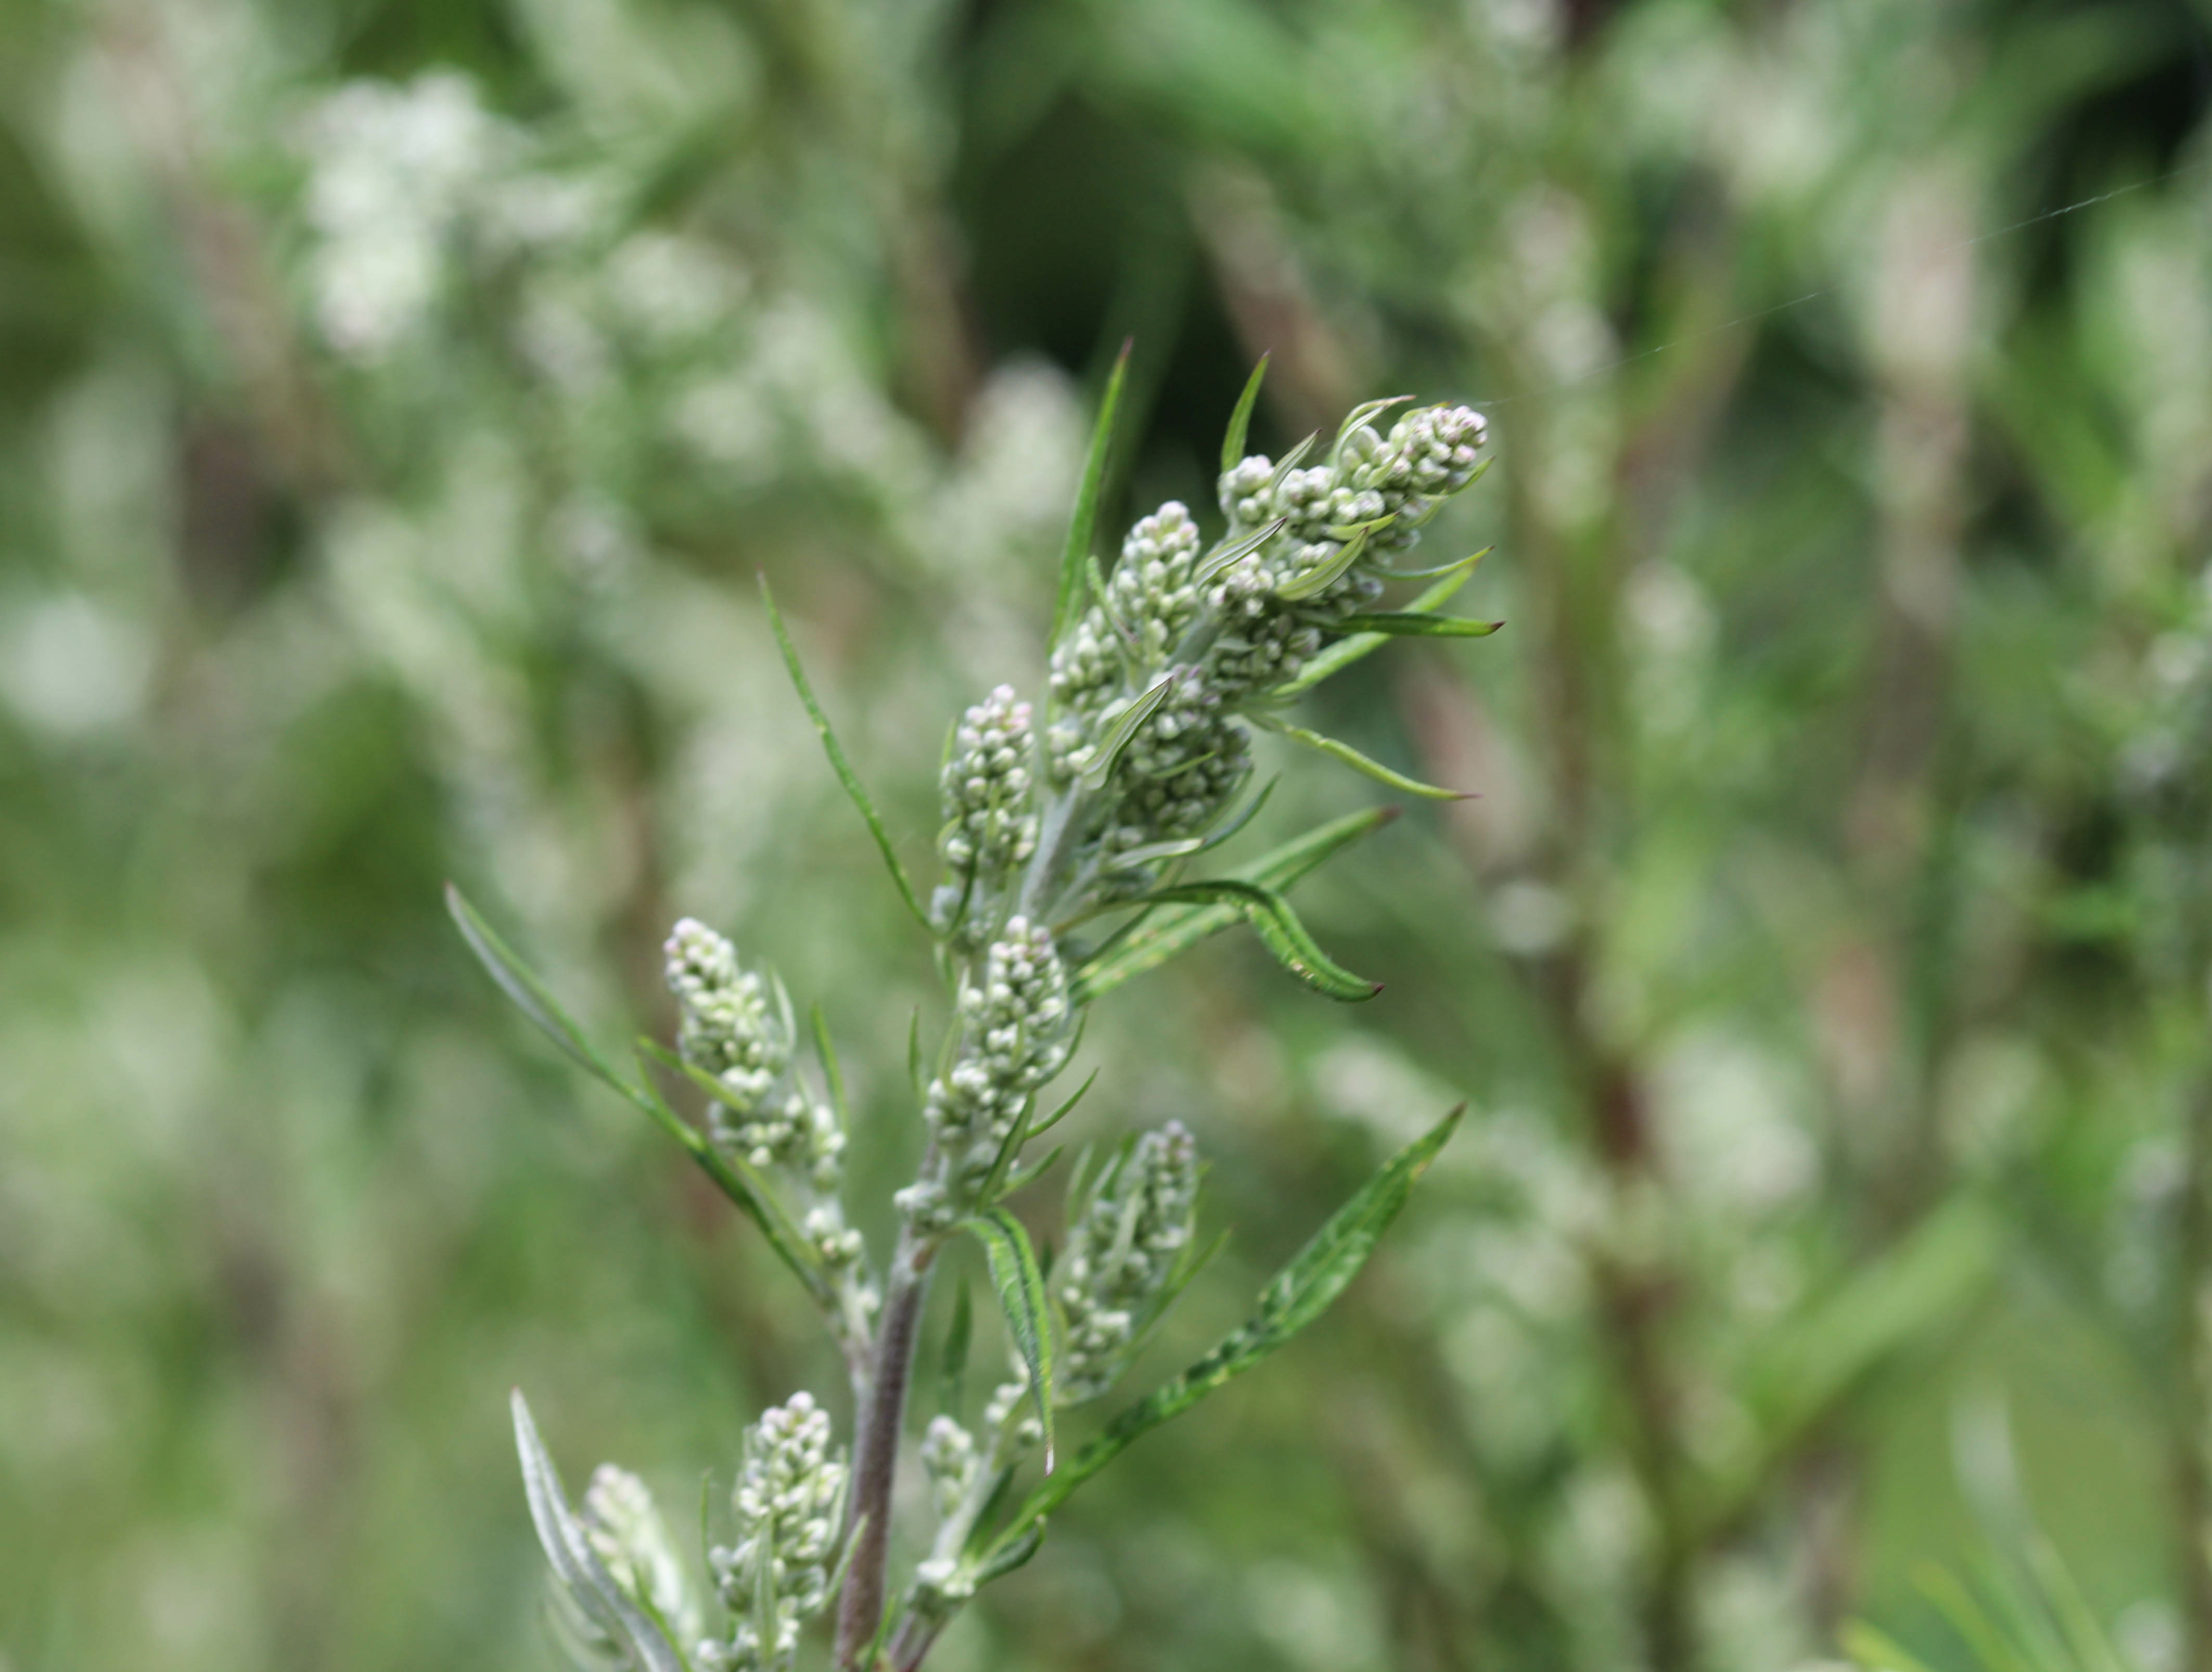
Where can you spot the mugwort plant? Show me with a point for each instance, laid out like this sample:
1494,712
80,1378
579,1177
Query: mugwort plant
1072,826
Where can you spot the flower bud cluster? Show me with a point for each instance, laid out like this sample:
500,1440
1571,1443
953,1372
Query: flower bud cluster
1231,637
1017,1030
728,1028
626,1532
1009,1397
989,827
1121,1252
948,1458
761,1111
790,1502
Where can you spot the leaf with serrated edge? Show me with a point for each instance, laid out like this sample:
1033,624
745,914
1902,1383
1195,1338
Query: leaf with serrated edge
1344,652
1020,1288
854,791
1300,1292
1176,930
1240,420
1280,931
1336,750
1067,606
576,1564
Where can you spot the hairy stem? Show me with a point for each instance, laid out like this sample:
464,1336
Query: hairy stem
875,1462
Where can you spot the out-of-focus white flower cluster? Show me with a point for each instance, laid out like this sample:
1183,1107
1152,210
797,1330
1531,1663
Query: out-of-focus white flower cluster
790,1504
627,1533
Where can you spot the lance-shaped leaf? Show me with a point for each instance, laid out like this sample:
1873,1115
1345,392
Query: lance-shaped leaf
1300,1292
952,1374
1231,552
1240,421
1337,749
740,1180
1168,932
1020,1288
531,995
736,1181
1125,727
583,1577
1361,413
1413,624
1075,556
1320,578
1346,651
843,768
1280,931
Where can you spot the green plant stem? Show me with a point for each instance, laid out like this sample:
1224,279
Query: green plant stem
875,1452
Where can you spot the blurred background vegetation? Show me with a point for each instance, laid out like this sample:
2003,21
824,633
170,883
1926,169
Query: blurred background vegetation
396,399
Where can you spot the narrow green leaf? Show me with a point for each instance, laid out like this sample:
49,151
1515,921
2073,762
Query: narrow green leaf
1280,931
1240,421
582,1575
1411,625
1060,1113
1878,1652
1337,749
1109,747
1067,607
1170,933
1323,576
1346,651
1230,552
529,994
833,1075
952,1377
1361,413
1020,1287
843,768
1300,1292
738,1178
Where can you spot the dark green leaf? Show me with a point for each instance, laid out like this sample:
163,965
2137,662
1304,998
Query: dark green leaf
1169,933
1300,1292
1411,625
1020,1288
1067,607
1240,421
1344,652
1280,931
838,764
1337,750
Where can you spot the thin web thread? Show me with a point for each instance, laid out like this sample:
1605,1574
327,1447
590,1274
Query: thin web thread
1754,318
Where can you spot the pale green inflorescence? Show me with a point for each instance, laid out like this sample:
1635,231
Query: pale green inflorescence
790,1505
990,826
627,1533
762,1110
1125,1248
1016,1029
1222,639
948,1459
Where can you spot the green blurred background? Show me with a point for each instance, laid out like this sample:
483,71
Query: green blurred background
397,397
